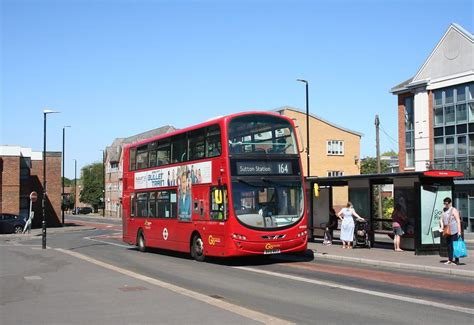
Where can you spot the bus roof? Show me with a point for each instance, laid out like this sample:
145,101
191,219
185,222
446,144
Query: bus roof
212,121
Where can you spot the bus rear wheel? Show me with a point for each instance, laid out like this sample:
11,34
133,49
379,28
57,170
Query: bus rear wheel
141,242
197,249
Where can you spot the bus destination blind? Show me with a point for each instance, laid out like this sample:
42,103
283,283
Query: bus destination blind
264,168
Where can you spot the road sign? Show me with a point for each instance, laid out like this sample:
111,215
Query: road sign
33,196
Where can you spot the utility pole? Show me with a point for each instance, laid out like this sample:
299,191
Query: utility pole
377,145
377,142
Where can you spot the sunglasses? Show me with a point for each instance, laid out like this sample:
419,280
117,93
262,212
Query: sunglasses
445,202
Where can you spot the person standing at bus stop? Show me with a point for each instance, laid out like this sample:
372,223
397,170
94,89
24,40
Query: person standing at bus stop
347,215
398,220
452,220
331,225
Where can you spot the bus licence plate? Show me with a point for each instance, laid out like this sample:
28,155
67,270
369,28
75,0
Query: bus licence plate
271,251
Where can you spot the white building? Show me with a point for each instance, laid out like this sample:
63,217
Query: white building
436,115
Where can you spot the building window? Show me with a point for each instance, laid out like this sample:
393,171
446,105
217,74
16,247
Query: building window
462,145
409,132
449,114
450,146
333,173
438,147
453,112
471,144
438,116
461,113
335,147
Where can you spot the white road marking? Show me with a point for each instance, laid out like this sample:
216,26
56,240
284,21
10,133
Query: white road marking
108,243
242,311
359,290
32,277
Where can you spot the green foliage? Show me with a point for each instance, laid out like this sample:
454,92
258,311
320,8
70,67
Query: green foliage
387,206
369,166
92,184
390,153
68,182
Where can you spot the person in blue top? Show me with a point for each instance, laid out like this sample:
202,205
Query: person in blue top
451,219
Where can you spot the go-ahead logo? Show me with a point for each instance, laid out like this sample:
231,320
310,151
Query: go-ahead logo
269,246
213,240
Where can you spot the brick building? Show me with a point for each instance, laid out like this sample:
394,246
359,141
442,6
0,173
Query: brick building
436,116
114,169
21,172
334,150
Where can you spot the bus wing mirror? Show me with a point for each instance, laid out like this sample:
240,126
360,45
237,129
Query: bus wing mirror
218,196
300,140
316,190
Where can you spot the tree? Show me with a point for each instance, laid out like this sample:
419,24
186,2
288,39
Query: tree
390,153
93,185
68,182
369,166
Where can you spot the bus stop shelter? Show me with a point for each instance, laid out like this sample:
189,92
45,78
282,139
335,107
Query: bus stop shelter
419,194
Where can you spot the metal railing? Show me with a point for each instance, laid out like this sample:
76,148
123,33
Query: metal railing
466,166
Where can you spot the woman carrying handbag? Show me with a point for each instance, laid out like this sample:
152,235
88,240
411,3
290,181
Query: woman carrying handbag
451,224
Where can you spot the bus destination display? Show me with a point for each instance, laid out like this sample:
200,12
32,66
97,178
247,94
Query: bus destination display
264,168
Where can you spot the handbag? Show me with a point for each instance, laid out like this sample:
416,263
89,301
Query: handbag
447,228
446,231
459,248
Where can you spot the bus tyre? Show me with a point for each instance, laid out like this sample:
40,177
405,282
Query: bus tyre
141,242
197,249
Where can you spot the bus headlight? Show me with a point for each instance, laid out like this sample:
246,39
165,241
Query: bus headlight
302,234
239,237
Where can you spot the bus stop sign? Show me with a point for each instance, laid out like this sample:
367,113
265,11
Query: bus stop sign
33,196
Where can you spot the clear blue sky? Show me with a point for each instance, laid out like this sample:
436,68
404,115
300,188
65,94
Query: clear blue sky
115,68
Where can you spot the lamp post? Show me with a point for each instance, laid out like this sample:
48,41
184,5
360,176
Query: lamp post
63,194
43,237
103,183
307,125
75,184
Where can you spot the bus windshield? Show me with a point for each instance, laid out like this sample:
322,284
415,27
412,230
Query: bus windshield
262,134
265,204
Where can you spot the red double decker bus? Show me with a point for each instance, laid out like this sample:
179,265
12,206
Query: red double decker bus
231,186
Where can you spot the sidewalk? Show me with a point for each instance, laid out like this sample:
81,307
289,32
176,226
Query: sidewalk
56,287
387,257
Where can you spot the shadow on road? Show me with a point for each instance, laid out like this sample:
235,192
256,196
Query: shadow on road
306,256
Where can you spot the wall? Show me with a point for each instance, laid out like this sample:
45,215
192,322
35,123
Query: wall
320,161
10,185
53,186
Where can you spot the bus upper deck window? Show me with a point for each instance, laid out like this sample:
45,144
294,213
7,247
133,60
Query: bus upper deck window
133,152
213,141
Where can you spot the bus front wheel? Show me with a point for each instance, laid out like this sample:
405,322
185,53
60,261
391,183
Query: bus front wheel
141,242
197,249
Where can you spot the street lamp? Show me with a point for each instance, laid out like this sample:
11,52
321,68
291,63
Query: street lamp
75,184
64,154
45,112
103,183
307,125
